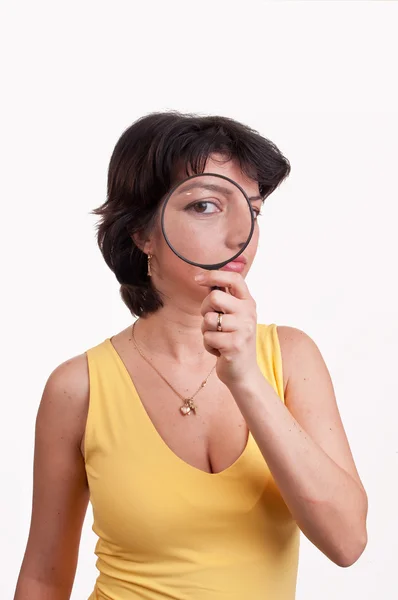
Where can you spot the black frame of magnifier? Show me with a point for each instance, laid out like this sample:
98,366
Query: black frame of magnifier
190,262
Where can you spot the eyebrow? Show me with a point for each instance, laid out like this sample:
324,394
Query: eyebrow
214,188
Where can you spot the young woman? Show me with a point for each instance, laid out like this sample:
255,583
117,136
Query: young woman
199,504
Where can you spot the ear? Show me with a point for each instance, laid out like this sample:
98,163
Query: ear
142,242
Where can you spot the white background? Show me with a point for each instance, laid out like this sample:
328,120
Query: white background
317,78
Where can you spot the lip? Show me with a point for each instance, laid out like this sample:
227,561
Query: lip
241,258
236,265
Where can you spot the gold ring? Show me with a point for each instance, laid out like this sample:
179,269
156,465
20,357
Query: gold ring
219,322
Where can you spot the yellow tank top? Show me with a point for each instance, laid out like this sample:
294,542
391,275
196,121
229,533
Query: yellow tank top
168,530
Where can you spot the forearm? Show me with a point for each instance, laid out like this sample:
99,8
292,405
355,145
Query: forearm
328,505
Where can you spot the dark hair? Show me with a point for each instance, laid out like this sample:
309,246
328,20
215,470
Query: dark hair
143,168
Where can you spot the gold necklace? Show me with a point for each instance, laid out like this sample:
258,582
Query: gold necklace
188,405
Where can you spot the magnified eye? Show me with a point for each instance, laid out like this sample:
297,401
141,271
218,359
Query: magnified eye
203,207
256,213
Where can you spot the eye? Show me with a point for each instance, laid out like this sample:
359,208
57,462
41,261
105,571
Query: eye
256,213
203,207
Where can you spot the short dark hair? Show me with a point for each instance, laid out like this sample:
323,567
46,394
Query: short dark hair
142,169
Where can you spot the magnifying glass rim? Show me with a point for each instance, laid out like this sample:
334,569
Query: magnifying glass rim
190,262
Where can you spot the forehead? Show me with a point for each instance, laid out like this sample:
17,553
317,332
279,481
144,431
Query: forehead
230,168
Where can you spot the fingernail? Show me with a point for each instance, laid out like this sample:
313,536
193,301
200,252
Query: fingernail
200,277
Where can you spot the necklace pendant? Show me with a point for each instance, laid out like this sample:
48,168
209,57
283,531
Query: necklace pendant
188,407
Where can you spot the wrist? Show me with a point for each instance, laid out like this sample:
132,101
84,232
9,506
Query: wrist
248,383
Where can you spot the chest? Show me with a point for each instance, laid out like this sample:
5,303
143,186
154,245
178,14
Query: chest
212,437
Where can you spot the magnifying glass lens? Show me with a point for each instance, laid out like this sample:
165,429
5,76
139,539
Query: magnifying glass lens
207,220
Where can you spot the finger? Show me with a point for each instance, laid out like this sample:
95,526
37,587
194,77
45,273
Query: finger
218,301
220,341
227,279
228,322
211,350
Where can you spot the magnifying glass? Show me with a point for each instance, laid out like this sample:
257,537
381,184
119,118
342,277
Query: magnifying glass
207,220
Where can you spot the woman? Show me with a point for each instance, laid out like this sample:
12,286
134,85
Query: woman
207,503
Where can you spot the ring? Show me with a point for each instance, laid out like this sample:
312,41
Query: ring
219,322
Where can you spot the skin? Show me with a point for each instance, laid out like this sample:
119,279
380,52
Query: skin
303,440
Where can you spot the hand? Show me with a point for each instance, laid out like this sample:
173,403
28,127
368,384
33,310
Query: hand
235,345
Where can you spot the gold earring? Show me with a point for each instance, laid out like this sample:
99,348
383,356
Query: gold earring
149,273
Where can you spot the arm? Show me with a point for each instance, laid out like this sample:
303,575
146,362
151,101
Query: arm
307,451
60,491
302,441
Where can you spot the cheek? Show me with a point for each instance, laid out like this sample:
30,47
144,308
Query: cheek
173,272
174,269
251,250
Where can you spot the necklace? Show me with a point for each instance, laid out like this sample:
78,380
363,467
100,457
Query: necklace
188,405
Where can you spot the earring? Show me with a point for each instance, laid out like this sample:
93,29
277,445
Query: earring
149,273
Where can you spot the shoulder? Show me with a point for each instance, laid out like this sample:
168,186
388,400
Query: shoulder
64,402
70,379
288,338
299,352
292,339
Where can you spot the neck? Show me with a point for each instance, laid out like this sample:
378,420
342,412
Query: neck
173,335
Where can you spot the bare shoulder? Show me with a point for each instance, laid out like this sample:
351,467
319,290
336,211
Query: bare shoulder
303,364
65,398
291,337
71,376
295,344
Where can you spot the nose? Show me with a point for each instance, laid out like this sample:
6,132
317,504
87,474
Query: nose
238,229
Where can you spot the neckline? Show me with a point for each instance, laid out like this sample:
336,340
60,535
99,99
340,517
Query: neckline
173,456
